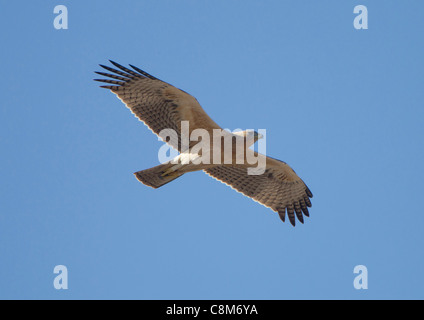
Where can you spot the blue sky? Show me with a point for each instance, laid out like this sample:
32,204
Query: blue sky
343,107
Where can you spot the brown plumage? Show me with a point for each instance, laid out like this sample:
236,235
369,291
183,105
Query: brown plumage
160,106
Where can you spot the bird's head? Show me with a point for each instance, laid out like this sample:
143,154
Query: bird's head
258,136
251,136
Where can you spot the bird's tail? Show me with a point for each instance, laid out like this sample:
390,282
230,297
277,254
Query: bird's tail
157,176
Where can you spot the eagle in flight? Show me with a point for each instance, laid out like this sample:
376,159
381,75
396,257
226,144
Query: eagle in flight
162,106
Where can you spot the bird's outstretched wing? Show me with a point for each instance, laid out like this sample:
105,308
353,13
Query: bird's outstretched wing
156,103
278,188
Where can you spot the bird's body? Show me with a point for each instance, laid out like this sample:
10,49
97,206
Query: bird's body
163,107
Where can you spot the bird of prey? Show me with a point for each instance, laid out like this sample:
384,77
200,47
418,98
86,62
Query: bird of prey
162,106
